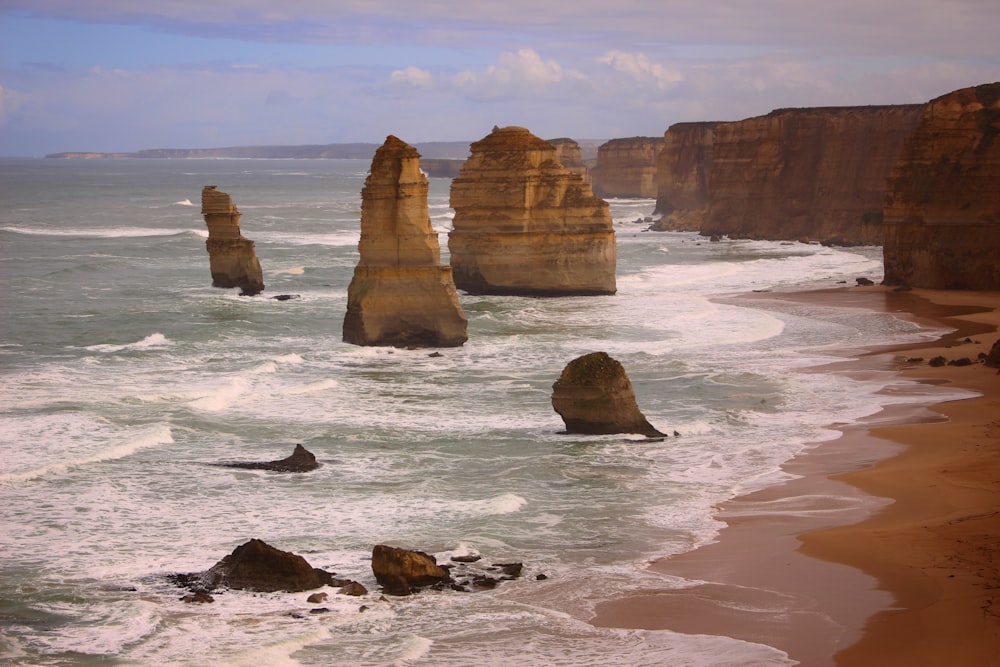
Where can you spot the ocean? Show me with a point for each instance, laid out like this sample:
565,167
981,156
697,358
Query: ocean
125,376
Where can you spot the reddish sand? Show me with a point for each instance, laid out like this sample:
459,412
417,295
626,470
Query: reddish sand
884,550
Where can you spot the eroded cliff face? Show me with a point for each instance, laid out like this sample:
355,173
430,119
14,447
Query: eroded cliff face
942,205
569,155
682,174
526,225
401,295
814,174
627,167
232,258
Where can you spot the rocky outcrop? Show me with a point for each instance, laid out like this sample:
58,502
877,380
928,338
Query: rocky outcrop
231,257
301,460
401,295
594,396
627,167
400,571
942,206
257,566
526,225
806,174
569,155
682,175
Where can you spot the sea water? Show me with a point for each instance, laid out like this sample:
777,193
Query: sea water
125,376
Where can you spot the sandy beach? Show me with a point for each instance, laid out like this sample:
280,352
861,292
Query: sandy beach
883,549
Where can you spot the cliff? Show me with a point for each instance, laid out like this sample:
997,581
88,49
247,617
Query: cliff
627,167
526,225
232,258
682,175
401,294
942,206
569,155
816,174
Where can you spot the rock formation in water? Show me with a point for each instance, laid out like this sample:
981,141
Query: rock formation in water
814,174
627,167
301,460
594,396
399,571
942,206
401,295
682,175
231,257
526,225
569,155
257,566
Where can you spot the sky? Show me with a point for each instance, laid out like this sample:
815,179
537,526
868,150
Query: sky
122,75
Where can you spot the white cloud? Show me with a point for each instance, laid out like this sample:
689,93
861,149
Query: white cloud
516,75
412,76
642,69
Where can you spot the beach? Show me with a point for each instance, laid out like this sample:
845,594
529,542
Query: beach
882,549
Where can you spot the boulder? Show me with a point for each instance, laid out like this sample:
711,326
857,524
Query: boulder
399,571
594,396
942,207
526,225
257,566
232,258
401,295
301,460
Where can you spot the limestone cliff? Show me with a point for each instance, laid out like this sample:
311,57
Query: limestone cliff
682,173
816,173
526,225
232,258
569,155
401,294
627,167
942,206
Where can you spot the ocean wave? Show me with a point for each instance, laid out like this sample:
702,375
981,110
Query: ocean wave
104,232
152,341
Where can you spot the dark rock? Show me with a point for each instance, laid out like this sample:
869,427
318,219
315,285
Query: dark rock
352,588
202,597
993,358
541,577
301,460
864,282
320,610
914,360
316,598
511,570
257,566
399,571
472,558
937,361
593,395
964,361
285,297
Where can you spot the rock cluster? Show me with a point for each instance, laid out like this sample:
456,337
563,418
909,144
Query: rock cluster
942,207
401,295
526,225
627,167
232,258
594,396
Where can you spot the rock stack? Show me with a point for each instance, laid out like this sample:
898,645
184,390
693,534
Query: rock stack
594,396
526,225
231,257
942,205
401,295
627,167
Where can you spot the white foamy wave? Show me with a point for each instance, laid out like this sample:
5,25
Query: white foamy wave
506,503
183,202
125,446
101,232
152,341
294,271
221,397
415,648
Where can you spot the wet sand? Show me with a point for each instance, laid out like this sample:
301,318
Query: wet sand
884,548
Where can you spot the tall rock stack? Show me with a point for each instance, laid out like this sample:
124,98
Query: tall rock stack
942,205
814,173
570,155
682,176
627,167
526,225
401,295
231,257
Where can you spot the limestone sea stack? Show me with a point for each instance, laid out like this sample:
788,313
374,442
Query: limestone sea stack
627,167
594,396
526,225
231,257
942,205
401,294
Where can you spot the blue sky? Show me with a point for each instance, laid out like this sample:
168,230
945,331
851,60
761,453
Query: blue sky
120,75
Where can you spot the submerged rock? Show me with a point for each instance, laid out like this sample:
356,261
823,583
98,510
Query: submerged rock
301,460
232,257
594,396
401,295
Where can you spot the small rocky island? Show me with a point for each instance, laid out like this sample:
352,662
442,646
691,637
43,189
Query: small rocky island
232,258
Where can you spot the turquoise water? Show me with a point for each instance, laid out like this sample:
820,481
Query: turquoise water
125,375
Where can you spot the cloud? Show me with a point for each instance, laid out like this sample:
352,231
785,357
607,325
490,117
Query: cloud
642,70
516,75
412,77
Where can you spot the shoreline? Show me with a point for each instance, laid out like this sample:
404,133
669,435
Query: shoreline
823,566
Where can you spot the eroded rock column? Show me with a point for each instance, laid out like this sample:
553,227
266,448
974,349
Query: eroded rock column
232,258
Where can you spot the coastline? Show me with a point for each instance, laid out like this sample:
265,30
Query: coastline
882,550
